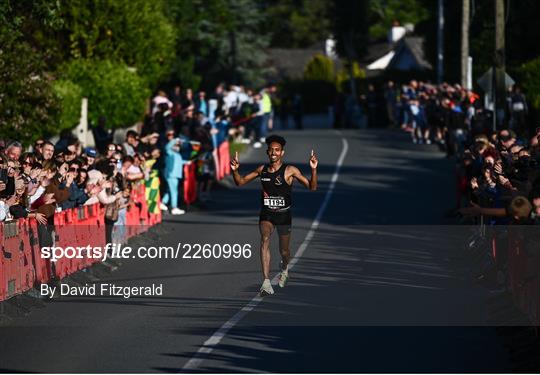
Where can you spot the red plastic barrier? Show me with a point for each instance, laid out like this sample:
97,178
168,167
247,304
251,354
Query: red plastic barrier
65,236
137,216
224,159
3,279
215,155
190,183
42,266
17,275
21,264
523,266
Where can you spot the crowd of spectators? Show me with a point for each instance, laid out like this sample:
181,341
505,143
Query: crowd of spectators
497,171
55,177
182,127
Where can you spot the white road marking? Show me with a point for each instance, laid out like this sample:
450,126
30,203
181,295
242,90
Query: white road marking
216,338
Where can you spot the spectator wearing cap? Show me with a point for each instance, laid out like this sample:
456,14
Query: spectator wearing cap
90,153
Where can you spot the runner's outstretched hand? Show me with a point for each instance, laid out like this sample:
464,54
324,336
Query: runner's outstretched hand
313,162
234,162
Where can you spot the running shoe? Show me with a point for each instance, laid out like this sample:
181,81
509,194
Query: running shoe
163,207
177,211
266,288
283,277
257,145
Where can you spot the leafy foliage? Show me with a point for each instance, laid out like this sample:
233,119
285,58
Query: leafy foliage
382,14
350,27
342,76
28,106
135,32
297,23
70,96
319,68
113,90
530,74
217,40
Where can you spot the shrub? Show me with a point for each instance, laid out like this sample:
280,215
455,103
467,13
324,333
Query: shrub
342,77
113,90
319,68
70,96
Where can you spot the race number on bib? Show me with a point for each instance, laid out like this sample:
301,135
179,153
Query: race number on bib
274,202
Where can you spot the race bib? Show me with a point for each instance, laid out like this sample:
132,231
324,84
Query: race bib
274,202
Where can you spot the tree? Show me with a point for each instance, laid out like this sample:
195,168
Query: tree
113,90
135,32
383,13
530,76
350,30
218,40
70,97
297,23
28,105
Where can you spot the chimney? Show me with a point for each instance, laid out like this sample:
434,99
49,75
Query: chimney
396,32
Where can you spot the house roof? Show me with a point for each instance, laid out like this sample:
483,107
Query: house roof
383,55
415,44
291,62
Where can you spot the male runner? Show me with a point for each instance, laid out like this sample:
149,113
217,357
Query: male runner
276,179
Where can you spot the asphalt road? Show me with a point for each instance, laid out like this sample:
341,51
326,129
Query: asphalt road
378,288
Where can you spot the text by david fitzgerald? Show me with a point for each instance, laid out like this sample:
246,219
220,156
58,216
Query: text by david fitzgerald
103,289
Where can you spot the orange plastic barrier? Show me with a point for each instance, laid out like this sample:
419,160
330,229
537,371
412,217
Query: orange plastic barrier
190,183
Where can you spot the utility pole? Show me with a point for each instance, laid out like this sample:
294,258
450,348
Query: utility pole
440,41
465,21
499,64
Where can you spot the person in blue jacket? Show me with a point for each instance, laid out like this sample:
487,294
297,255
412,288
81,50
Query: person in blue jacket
173,171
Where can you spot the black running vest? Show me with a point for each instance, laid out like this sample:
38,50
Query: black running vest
276,193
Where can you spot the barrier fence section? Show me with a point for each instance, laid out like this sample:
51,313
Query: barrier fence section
516,250
21,264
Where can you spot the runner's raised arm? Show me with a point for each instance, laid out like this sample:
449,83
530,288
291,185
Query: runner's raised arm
240,180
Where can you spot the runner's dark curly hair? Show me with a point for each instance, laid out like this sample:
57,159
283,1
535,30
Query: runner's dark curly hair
276,138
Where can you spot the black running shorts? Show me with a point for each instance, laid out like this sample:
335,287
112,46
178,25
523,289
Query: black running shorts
281,220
